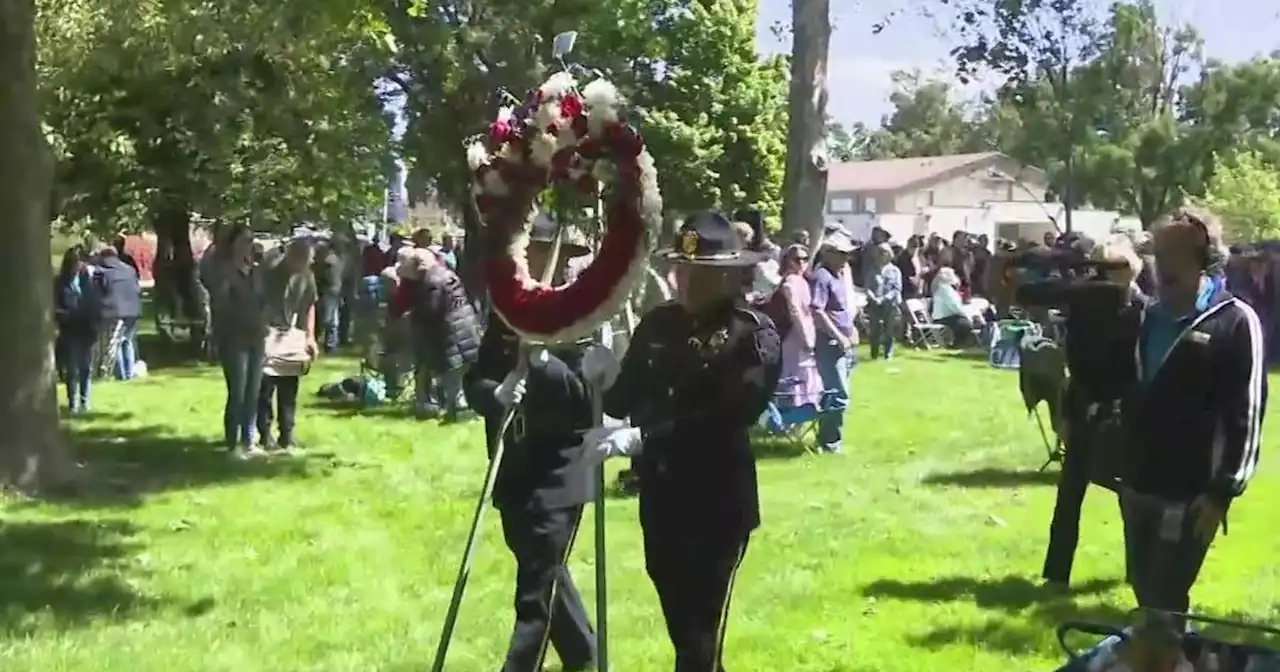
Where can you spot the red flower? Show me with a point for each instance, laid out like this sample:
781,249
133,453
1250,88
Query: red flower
571,106
500,131
624,141
589,148
580,126
586,184
484,203
560,163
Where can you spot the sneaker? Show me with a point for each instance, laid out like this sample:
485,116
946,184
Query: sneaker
250,452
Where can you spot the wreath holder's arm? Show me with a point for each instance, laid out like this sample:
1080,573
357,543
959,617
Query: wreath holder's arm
468,553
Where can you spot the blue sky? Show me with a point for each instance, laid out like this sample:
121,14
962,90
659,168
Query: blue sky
860,63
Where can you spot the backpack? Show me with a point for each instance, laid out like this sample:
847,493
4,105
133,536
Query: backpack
775,308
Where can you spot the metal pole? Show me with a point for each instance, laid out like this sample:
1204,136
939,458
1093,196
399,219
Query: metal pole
602,572
468,553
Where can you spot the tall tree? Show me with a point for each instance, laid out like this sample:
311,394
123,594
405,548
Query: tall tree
32,454
1035,45
1245,193
807,156
711,114
1140,158
928,120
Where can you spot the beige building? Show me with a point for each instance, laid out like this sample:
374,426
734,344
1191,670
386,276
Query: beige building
988,193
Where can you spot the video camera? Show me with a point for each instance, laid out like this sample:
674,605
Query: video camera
1067,263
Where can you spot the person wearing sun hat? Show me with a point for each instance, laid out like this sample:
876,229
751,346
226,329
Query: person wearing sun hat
698,374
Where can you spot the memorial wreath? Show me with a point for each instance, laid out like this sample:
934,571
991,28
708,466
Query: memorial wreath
563,137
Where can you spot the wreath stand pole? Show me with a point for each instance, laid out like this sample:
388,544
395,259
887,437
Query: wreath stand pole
486,492
468,553
602,572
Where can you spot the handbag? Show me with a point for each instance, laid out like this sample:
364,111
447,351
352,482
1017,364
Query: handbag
285,350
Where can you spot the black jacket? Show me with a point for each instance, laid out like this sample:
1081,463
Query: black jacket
1102,330
78,311
695,388
123,299
543,461
1195,426
444,321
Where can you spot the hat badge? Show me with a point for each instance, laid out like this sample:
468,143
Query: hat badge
689,243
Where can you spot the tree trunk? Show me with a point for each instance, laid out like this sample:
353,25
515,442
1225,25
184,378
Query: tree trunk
32,452
176,297
805,185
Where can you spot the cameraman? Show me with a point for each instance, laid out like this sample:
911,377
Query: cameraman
1103,315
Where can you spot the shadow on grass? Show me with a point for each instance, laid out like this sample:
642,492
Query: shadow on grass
128,464
970,354
163,354
991,477
1026,616
66,572
768,446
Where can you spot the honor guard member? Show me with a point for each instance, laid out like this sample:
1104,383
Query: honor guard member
544,478
696,377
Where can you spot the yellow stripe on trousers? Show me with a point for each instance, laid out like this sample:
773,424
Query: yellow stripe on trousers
551,597
723,626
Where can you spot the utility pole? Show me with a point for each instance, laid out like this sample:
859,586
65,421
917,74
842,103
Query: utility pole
805,184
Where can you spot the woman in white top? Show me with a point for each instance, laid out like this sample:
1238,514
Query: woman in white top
948,308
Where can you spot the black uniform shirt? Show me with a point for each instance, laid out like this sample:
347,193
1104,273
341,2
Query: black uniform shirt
543,460
695,386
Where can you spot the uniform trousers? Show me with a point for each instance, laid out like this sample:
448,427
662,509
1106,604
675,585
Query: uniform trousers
1073,482
693,573
548,606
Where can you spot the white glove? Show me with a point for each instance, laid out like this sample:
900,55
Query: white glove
600,367
511,390
603,443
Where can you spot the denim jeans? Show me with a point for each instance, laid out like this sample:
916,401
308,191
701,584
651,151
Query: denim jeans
331,320
78,371
127,354
833,367
242,369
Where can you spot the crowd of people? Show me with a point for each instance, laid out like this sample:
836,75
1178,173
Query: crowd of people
1169,325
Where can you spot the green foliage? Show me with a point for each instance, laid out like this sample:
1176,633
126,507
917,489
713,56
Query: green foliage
1245,194
713,116
1121,111
241,109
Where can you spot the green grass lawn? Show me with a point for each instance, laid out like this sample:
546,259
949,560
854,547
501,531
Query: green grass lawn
917,551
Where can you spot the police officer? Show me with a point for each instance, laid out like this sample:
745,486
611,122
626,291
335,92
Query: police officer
543,480
695,378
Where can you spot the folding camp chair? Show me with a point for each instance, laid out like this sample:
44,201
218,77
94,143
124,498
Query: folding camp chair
1042,376
921,332
798,424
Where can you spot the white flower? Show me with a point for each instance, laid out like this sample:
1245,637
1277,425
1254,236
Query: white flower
505,114
542,149
548,113
601,95
477,156
493,184
477,189
557,86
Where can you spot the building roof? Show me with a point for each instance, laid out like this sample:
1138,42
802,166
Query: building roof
899,174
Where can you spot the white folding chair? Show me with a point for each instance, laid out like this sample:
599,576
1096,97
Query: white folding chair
921,331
